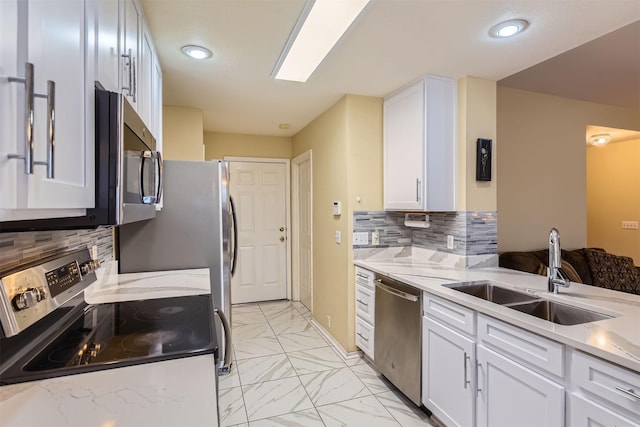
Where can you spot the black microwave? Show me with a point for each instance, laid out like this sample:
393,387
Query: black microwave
128,171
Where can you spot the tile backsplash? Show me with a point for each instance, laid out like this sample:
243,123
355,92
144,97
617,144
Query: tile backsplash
475,232
24,247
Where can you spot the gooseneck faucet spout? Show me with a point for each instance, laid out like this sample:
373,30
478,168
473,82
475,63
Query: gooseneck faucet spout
556,276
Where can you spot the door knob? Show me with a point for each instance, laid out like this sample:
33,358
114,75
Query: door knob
282,238
281,228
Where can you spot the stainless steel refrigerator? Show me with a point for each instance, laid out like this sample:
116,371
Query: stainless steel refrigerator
194,229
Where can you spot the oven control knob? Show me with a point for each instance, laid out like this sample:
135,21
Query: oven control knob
89,266
28,298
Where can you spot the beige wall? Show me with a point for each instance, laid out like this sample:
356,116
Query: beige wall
476,119
217,145
346,141
613,196
542,163
182,130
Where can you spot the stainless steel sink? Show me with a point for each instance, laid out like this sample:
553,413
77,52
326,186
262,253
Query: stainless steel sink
561,314
490,292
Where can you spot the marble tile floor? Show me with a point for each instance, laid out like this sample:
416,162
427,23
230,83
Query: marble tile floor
286,374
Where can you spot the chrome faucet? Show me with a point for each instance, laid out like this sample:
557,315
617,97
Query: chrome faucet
556,276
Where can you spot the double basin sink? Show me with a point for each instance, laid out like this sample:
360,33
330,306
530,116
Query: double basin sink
561,314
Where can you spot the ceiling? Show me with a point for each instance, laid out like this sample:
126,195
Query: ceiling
392,43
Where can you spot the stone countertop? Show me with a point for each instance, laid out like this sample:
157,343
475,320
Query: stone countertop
616,340
168,393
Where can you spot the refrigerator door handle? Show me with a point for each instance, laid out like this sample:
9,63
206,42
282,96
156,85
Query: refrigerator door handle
234,225
226,366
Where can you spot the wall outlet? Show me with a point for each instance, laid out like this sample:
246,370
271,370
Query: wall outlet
360,238
375,238
338,237
328,321
450,242
630,225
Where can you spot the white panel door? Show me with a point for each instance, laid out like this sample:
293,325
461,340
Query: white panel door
448,383
258,190
512,395
304,229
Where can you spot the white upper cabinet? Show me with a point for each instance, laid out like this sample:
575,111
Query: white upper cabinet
145,87
419,146
108,57
130,36
47,163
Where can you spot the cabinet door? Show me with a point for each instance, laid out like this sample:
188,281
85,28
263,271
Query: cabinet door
108,51
11,106
131,33
583,412
448,383
512,395
156,103
404,136
145,84
57,46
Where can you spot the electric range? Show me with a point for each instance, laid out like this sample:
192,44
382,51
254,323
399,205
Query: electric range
49,330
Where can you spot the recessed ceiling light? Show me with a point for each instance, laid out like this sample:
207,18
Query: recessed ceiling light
600,139
196,52
320,25
508,28
284,126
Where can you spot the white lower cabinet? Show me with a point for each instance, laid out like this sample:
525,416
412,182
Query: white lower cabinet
448,374
582,412
365,310
511,395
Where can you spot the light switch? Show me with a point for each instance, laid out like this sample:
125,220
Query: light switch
338,237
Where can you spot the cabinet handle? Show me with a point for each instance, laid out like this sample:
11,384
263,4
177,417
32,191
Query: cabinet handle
361,336
30,96
135,80
28,112
628,392
418,190
130,65
466,380
478,369
363,303
51,127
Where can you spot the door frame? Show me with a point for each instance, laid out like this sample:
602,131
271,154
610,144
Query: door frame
287,207
295,231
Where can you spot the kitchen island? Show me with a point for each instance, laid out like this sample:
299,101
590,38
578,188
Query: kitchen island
167,393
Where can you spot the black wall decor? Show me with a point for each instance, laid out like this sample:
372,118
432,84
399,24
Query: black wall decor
483,159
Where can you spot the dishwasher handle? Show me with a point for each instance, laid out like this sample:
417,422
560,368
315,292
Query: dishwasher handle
396,292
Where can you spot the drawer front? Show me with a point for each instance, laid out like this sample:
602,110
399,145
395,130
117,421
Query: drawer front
364,337
449,313
607,381
365,278
583,412
365,304
539,352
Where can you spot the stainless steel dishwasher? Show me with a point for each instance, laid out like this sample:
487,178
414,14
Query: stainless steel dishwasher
398,337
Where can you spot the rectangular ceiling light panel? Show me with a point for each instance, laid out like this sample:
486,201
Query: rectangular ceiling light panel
311,41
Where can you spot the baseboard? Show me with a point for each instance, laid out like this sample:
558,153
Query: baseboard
346,355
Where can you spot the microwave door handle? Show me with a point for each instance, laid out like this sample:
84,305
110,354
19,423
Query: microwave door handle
160,172
234,226
141,175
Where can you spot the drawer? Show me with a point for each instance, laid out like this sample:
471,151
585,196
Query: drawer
449,313
539,352
364,337
365,278
365,304
609,382
583,412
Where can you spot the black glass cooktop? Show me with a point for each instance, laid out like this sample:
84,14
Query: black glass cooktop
125,333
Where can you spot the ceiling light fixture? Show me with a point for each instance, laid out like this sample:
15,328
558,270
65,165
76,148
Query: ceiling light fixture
319,27
196,52
508,28
600,139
